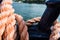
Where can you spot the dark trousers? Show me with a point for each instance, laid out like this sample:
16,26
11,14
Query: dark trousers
50,15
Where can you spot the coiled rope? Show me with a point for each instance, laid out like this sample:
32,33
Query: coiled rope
22,28
8,23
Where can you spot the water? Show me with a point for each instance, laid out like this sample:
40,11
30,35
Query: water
29,11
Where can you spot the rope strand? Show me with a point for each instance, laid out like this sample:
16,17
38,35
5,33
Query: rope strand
22,28
55,35
35,20
8,23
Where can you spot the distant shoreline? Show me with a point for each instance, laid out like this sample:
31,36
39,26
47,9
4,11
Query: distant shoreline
35,2
30,2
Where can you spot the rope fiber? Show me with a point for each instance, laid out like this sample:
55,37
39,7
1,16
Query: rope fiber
8,20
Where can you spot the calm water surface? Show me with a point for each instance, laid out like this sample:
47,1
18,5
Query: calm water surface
29,11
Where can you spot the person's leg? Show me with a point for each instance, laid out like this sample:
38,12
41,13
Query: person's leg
50,15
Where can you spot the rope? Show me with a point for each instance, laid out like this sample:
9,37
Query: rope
32,21
35,20
22,28
6,13
55,34
8,23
